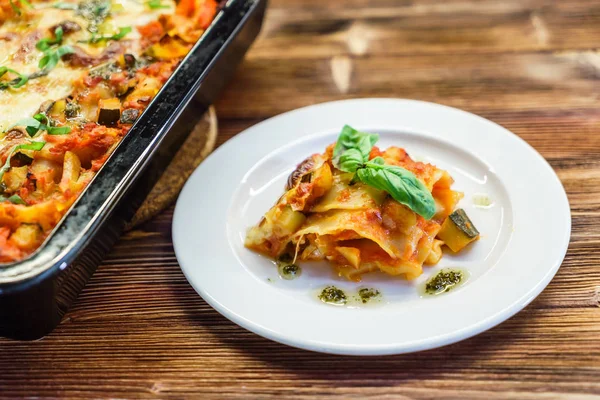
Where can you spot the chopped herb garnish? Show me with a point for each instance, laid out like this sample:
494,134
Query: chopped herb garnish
58,130
117,36
15,83
40,122
156,4
52,57
46,43
16,9
36,146
15,199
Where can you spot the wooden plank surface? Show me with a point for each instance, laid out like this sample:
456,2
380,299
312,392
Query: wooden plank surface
138,330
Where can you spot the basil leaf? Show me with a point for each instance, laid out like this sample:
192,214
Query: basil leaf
28,122
15,199
32,125
122,32
40,122
15,8
22,79
46,43
58,130
66,49
41,118
401,184
52,57
37,146
44,61
156,4
377,161
350,138
118,36
15,83
350,160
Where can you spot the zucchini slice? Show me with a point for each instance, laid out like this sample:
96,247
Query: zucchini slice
458,231
109,111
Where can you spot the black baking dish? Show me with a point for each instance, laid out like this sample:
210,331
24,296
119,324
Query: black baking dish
36,292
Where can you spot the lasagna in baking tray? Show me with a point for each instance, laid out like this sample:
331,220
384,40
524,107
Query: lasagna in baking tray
364,209
74,77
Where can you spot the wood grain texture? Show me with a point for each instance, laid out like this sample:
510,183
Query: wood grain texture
138,330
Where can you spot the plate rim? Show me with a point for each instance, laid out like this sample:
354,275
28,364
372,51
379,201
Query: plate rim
387,348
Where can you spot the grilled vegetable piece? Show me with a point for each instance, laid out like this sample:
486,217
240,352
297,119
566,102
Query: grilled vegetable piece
57,109
27,236
458,231
72,109
278,224
15,178
129,115
109,111
311,180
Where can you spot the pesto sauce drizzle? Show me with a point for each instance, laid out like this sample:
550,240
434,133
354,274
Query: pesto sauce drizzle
367,294
444,281
286,269
333,295
289,271
95,12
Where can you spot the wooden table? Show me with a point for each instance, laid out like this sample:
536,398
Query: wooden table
139,329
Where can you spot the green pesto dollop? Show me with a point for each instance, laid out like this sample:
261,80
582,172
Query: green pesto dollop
366,294
289,271
444,281
333,295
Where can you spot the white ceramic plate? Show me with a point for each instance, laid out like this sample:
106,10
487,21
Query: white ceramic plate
525,233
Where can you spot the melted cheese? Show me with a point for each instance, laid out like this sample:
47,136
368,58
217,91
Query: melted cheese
361,229
359,222
17,104
341,196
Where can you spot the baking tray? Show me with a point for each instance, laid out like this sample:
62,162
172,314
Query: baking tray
36,292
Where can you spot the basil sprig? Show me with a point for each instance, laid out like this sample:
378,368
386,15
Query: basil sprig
36,146
40,122
359,142
351,154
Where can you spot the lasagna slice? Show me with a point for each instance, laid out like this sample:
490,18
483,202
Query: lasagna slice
326,213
